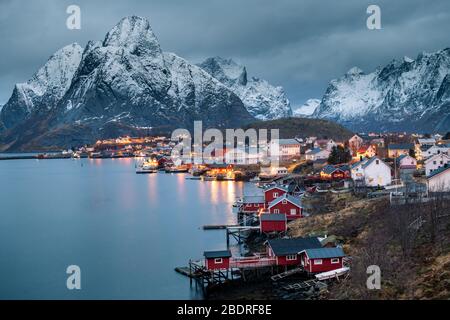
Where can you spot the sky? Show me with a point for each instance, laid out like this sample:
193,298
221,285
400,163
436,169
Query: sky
298,44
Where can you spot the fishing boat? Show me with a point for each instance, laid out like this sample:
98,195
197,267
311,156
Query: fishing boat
177,169
148,166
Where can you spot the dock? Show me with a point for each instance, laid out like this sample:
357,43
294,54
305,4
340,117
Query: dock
219,226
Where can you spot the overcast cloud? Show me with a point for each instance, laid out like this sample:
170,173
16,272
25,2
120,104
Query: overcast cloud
298,44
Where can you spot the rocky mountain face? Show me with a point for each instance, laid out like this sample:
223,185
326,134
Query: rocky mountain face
262,100
405,95
307,109
121,85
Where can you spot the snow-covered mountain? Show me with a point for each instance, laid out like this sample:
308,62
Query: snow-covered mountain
307,109
405,95
262,100
116,86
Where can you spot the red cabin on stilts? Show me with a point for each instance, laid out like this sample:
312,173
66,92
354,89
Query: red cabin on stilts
217,260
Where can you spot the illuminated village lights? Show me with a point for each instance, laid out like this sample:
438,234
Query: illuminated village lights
240,145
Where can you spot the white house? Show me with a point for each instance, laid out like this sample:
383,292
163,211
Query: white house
355,143
439,180
422,145
406,162
436,149
436,162
325,144
374,172
317,154
288,148
267,172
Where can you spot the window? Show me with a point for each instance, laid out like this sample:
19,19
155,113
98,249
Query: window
276,211
378,161
335,260
275,194
293,211
318,261
291,257
284,201
218,260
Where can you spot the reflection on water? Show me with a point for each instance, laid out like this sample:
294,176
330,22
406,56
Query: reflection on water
127,232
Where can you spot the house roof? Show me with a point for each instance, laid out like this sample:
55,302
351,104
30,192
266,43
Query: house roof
288,197
371,160
319,253
401,146
361,162
426,141
314,151
329,169
217,254
438,171
277,186
288,141
253,199
282,247
272,217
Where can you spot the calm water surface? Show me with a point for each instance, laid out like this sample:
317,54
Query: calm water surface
127,232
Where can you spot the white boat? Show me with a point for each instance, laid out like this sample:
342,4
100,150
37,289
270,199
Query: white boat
332,274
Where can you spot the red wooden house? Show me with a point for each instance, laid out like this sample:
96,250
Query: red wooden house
286,251
217,260
335,173
274,192
252,204
272,223
286,204
316,260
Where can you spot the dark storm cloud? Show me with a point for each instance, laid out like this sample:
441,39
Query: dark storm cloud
300,45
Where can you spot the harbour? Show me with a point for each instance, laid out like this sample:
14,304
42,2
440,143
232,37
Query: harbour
124,230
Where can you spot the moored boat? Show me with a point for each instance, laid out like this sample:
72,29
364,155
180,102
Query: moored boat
177,169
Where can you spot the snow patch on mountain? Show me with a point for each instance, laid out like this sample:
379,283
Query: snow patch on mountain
47,86
262,100
307,109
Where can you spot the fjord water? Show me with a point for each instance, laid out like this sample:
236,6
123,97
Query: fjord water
126,232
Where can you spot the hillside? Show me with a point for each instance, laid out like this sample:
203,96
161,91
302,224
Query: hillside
303,127
414,262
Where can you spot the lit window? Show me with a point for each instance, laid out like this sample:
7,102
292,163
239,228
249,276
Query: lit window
335,260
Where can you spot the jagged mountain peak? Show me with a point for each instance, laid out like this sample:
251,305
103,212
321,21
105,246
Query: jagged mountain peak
354,71
132,32
225,70
262,100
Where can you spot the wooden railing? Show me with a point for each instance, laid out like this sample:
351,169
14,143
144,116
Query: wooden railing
252,262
